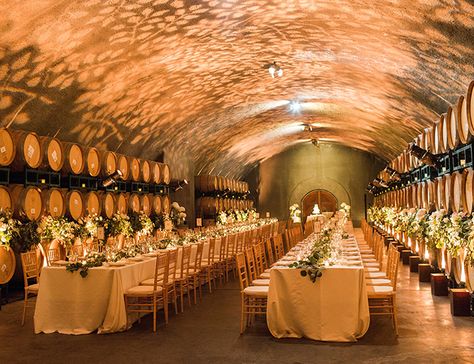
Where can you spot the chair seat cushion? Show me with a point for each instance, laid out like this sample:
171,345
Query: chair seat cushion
371,264
143,290
265,275
33,287
266,270
260,282
369,260
258,291
370,275
378,282
370,269
379,290
149,282
368,256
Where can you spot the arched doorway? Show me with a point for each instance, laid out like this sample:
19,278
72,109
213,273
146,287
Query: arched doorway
326,201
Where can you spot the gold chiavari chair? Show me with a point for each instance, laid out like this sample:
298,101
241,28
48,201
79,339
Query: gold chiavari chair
30,278
182,277
147,299
220,260
53,256
278,247
270,255
207,274
382,299
253,298
230,255
194,283
263,269
252,270
386,278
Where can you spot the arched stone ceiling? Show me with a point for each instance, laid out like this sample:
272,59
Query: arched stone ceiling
187,77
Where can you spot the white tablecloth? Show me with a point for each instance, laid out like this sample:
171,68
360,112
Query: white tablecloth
334,308
70,304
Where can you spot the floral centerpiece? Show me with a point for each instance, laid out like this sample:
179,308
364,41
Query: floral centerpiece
9,228
295,213
119,225
59,228
177,214
141,224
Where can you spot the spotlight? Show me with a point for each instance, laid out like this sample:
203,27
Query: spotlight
394,175
315,142
424,156
378,182
295,107
180,184
112,179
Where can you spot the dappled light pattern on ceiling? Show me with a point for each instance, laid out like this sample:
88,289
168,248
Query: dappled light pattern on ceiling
187,77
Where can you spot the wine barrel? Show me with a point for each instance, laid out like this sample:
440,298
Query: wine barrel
53,153
5,199
165,173
145,203
134,202
207,183
156,172
75,207
431,195
146,170
108,205
414,196
439,192
27,202
157,204
220,183
427,138
7,147
53,202
435,138
123,166
469,276
463,123
93,205
446,182
166,204
8,264
75,160
122,206
419,195
135,172
443,134
458,266
470,107
108,163
93,162
28,150
467,189
452,127
207,206
456,191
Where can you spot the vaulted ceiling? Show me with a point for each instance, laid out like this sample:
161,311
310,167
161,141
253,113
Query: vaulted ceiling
143,76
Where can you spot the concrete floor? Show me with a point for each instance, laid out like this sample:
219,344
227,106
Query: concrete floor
209,333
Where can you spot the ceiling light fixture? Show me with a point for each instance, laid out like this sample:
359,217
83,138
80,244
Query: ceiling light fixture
274,69
295,107
112,179
424,156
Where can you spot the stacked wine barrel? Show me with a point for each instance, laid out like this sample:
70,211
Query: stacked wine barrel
22,149
213,187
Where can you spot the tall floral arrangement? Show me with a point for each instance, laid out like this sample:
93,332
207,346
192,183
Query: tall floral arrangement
141,224
59,228
119,225
177,214
295,213
458,230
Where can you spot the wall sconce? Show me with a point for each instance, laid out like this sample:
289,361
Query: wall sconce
178,185
112,179
424,156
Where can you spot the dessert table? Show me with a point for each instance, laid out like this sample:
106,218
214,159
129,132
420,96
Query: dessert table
334,308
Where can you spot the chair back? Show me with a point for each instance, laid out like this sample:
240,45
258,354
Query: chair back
270,256
278,246
240,242
251,266
161,270
185,260
392,271
198,257
258,258
223,248
53,255
242,271
210,251
231,245
173,264
30,267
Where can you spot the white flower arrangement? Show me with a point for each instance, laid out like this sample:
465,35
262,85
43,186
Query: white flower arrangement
295,213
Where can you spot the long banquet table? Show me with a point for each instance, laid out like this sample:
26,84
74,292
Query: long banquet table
334,308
